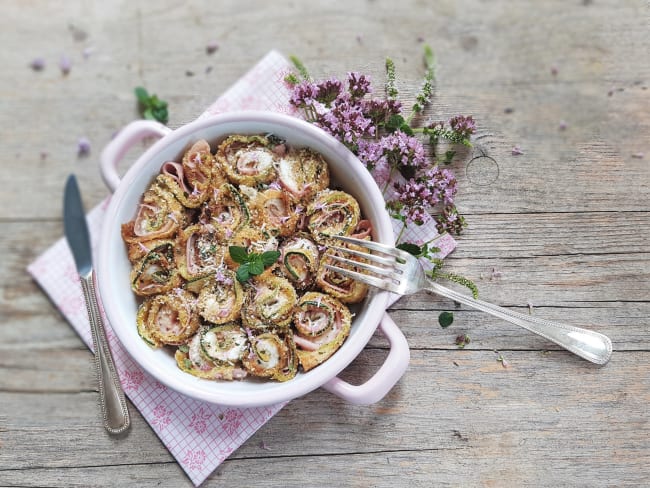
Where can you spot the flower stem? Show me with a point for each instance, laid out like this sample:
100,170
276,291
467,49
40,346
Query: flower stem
401,232
390,176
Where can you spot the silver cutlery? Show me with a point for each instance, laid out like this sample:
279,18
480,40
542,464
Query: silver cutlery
397,271
113,404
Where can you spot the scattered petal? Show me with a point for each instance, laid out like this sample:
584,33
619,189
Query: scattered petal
462,340
638,155
65,64
516,151
208,69
610,92
420,39
263,445
87,52
563,125
83,147
211,47
554,70
37,64
502,360
530,307
508,110
359,39
495,274
44,155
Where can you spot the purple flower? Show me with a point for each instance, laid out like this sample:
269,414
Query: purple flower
358,85
463,126
379,111
304,94
328,91
450,221
346,122
516,151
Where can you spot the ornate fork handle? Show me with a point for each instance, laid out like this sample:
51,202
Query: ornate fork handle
113,404
592,346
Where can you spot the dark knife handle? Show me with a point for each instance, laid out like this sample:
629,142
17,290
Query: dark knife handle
111,395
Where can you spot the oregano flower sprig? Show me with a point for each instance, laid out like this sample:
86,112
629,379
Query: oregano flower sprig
392,144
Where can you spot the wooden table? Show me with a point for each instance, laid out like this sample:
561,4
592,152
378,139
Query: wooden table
564,228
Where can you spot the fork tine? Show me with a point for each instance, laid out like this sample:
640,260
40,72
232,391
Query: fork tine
370,257
367,279
367,267
375,246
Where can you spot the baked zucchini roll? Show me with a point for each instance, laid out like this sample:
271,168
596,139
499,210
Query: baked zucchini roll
143,325
332,213
347,290
170,318
271,355
224,344
159,216
191,359
191,180
275,212
156,272
269,304
299,261
226,211
247,160
198,253
321,324
221,299
303,173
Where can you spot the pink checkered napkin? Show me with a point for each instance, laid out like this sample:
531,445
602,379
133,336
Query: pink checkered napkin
199,435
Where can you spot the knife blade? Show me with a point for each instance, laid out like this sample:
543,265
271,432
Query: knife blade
112,401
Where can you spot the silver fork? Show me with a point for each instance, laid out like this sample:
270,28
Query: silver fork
400,272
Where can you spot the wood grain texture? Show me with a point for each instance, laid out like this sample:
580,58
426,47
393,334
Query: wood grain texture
561,231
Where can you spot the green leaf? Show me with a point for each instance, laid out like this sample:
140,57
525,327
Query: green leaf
394,122
406,129
410,248
429,58
445,319
270,257
302,70
238,254
243,273
142,95
256,266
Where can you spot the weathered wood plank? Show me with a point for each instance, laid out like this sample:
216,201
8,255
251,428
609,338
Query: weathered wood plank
463,405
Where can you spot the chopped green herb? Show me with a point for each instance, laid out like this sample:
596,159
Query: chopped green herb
151,107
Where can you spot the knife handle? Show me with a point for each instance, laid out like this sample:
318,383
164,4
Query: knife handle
111,395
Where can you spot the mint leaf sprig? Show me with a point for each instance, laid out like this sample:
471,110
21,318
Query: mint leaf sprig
151,107
251,264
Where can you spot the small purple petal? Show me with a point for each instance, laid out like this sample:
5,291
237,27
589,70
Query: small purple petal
211,47
65,64
554,70
638,155
563,125
83,147
516,151
37,64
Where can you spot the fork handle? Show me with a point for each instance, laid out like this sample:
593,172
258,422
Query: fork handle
589,345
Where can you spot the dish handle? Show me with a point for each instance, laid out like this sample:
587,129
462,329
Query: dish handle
385,378
121,143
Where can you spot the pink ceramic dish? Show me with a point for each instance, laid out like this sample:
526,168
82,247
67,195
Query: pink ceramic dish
113,266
